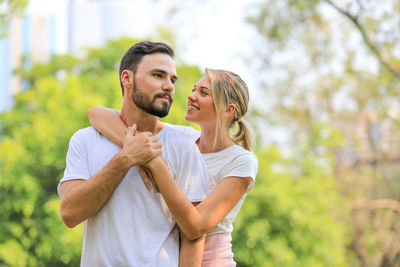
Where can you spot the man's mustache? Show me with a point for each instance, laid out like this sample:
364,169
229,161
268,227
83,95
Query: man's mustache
164,94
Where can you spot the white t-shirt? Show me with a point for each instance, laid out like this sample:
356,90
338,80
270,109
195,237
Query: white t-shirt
232,161
134,227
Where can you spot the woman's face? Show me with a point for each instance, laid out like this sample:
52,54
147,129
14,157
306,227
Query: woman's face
201,107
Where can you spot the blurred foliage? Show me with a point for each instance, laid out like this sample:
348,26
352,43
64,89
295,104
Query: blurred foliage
336,64
283,216
294,216
330,84
34,142
9,8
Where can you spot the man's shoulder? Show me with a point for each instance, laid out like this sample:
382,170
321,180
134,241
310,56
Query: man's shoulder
177,136
186,131
85,133
89,139
176,143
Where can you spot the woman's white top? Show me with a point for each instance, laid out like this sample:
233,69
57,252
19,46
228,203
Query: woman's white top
233,161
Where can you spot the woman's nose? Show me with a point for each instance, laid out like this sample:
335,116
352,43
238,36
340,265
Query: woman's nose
192,95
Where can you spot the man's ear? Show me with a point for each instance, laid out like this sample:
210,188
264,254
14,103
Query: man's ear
126,79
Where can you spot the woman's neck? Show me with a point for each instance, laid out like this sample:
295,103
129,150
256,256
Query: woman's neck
206,141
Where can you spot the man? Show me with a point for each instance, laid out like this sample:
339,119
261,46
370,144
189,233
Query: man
125,224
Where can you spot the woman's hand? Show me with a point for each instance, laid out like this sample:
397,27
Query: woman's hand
145,171
146,176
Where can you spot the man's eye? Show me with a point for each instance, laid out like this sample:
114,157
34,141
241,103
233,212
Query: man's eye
158,75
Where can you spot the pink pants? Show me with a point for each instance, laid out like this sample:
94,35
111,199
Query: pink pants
218,251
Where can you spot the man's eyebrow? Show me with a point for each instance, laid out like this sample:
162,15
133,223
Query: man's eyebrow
164,72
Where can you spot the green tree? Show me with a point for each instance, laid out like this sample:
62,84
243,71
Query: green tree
294,215
35,135
336,63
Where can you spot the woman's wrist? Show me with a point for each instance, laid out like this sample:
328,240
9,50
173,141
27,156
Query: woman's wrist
153,163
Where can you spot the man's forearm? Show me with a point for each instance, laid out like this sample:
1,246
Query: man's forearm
81,199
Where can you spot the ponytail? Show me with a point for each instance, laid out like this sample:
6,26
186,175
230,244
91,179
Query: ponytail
228,88
244,136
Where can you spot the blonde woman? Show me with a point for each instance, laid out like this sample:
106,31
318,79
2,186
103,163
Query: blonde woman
218,101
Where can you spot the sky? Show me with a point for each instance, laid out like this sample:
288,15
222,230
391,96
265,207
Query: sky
210,34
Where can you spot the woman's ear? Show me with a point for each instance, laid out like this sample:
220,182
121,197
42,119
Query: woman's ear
230,110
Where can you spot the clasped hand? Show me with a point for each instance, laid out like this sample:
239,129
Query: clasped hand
141,148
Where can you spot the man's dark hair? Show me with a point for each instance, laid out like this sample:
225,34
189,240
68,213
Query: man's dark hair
134,55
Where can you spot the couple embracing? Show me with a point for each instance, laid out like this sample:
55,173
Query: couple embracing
152,193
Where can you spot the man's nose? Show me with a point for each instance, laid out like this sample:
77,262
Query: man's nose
168,86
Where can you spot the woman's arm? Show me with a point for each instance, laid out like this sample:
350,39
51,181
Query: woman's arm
191,251
108,122
196,221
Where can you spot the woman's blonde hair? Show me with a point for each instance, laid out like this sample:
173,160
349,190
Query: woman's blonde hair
228,88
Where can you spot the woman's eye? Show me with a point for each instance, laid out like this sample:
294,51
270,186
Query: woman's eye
204,93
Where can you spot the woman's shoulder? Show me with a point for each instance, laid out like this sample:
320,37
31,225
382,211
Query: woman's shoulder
237,151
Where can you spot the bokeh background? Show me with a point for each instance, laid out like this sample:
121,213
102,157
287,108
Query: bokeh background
324,78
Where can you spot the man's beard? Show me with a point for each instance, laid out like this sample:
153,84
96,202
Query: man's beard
142,101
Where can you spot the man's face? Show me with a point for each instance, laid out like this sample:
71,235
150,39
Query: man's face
153,88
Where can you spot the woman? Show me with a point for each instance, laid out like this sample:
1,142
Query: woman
218,101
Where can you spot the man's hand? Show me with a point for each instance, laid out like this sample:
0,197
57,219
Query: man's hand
139,148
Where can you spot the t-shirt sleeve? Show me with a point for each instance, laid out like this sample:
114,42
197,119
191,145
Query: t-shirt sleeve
192,175
244,165
76,161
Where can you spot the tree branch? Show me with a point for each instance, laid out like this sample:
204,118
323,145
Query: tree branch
368,41
384,203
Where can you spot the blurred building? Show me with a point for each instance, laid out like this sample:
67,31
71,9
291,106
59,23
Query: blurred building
92,22
30,39
70,26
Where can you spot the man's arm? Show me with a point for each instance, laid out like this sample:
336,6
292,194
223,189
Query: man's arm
81,199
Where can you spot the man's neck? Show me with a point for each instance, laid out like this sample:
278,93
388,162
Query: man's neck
145,122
